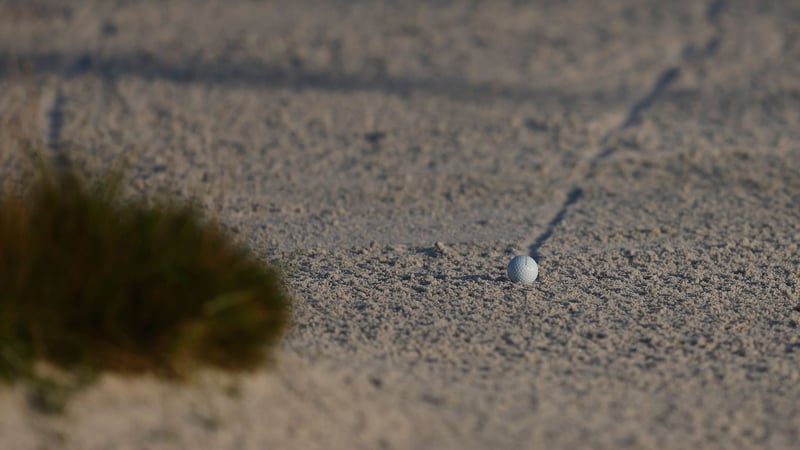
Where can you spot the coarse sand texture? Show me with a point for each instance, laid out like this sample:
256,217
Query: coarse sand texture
390,158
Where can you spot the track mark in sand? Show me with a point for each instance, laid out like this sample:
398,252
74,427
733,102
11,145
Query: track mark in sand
713,14
661,85
665,79
54,125
54,118
715,10
55,122
574,195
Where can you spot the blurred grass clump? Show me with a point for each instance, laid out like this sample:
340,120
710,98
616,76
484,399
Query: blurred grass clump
91,281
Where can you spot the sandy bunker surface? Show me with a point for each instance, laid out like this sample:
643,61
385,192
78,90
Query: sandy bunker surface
394,156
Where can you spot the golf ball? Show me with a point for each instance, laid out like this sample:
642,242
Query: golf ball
523,269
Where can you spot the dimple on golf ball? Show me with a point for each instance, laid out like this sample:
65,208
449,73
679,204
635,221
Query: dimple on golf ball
523,269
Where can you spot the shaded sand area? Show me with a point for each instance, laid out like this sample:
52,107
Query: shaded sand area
394,156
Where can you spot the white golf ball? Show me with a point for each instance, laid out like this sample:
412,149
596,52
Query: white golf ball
523,269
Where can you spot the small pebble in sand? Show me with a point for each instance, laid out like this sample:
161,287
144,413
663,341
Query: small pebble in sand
523,269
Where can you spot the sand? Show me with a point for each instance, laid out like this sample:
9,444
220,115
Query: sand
393,157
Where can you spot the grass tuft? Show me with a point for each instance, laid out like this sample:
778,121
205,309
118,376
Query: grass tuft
89,281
